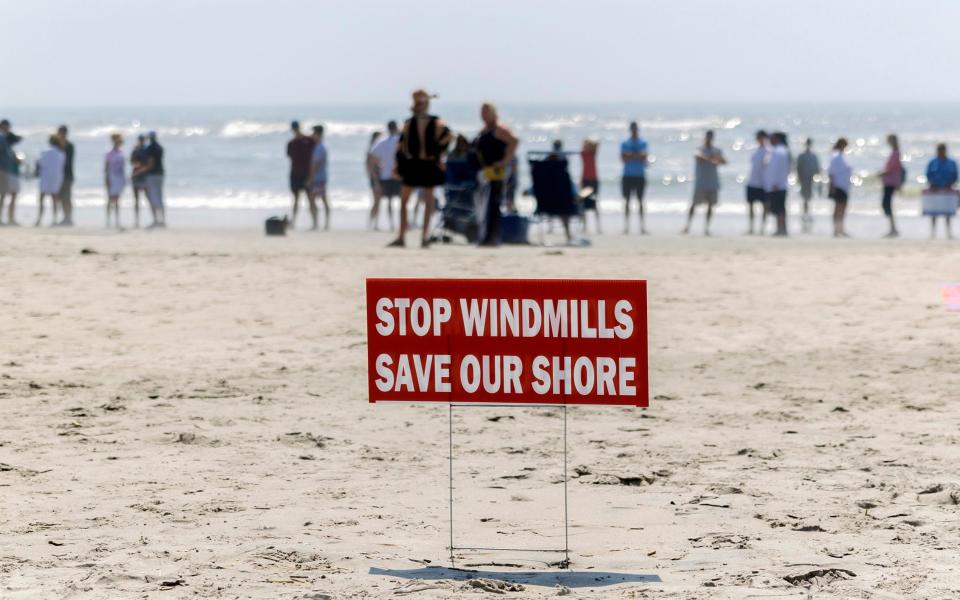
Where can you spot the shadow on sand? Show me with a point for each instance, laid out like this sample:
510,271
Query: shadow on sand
570,579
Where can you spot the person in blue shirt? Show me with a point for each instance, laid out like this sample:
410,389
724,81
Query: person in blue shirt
633,153
942,176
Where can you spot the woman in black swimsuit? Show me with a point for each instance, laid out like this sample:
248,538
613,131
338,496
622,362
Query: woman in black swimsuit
423,143
495,147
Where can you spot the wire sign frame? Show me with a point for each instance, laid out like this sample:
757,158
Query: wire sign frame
566,498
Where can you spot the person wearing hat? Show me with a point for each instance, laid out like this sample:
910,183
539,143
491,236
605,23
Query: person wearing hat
423,144
299,151
138,180
115,178
152,172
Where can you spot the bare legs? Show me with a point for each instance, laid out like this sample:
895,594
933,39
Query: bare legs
53,203
750,218
136,207
839,215
312,196
296,207
375,209
706,225
113,206
933,227
11,211
405,193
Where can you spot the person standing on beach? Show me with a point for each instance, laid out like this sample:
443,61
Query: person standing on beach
114,178
50,170
495,147
892,178
138,158
839,173
373,177
65,197
423,144
808,167
9,170
633,153
299,151
6,157
318,179
384,157
942,177
706,185
775,176
755,191
590,180
152,172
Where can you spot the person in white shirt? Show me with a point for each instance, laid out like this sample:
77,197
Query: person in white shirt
50,171
775,175
755,191
384,157
839,173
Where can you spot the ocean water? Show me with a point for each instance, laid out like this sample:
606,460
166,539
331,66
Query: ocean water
227,159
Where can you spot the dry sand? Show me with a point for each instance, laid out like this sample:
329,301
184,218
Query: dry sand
184,415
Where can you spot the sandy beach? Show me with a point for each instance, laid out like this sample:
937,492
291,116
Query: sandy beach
185,415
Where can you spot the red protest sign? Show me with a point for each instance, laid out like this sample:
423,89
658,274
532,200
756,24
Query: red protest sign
524,341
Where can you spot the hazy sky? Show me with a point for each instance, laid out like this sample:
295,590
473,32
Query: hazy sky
134,52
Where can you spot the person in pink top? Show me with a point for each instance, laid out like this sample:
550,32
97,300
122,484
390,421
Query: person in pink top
589,180
892,177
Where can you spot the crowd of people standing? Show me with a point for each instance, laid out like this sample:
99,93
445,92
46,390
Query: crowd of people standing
54,171
410,160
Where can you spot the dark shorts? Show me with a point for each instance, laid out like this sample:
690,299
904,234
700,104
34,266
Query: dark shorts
755,194
590,202
139,183
298,183
418,173
632,184
838,195
389,188
887,202
777,202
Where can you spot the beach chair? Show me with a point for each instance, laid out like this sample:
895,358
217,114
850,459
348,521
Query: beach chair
458,215
553,189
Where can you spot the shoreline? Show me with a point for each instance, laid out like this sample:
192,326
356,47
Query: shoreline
731,223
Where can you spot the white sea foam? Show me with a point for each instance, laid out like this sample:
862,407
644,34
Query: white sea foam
249,129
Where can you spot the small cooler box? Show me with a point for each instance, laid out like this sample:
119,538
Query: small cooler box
938,204
513,229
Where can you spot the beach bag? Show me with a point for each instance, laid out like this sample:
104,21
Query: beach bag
939,203
903,175
276,226
494,173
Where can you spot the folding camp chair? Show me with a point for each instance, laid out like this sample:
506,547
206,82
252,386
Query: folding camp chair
553,189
